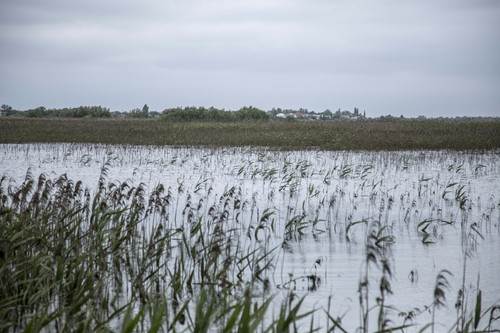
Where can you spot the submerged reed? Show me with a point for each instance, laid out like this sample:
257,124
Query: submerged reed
139,258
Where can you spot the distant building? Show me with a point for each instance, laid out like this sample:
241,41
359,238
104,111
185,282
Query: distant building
305,114
312,116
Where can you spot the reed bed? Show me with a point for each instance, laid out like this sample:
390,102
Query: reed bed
204,240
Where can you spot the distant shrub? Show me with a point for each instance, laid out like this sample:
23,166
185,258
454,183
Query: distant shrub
139,113
214,114
251,113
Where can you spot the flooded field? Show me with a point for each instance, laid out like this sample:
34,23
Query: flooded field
247,239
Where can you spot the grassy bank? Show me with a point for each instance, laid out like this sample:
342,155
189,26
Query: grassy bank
363,135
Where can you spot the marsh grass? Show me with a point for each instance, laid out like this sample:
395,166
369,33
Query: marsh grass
337,135
69,260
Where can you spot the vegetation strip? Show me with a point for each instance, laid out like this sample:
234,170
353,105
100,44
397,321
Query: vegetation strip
285,134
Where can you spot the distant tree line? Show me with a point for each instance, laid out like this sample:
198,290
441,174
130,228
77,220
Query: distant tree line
213,114
174,114
42,112
192,113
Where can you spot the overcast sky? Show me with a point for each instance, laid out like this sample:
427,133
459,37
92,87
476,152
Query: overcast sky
414,57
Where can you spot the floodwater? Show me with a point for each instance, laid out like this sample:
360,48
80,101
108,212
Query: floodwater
457,192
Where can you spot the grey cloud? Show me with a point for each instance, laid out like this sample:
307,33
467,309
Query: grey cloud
412,57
